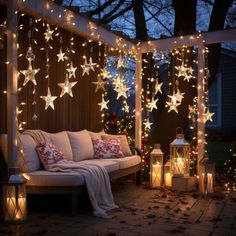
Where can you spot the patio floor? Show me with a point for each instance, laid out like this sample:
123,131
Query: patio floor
142,212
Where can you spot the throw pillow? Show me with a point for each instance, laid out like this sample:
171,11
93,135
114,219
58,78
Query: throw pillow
49,154
108,148
96,135
123,143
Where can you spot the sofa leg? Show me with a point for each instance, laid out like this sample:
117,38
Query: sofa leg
74,203
138,177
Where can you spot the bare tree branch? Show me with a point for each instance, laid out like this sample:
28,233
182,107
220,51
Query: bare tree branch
154,17
101,8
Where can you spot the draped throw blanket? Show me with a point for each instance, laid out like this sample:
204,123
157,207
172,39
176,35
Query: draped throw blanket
95,176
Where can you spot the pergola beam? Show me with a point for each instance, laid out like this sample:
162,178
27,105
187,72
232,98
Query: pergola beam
68,20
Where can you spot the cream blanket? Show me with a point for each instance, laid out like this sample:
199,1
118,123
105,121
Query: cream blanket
96,179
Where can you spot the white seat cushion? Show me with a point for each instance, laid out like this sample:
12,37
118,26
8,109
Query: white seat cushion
108,164
47,178
61,141
81,144
127,162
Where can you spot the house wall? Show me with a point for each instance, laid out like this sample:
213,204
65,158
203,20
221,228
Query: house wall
228,93
77,113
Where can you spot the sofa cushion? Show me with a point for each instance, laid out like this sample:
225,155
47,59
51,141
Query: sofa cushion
49,154
61,141
81,145
96,135
108,164
30,158
109,148
123,143
127,162
47,178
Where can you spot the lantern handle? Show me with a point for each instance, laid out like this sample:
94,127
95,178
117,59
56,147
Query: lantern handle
179,130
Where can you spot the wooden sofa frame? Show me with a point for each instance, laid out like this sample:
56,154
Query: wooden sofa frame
75,191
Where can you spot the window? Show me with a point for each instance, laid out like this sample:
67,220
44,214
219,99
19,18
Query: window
214,102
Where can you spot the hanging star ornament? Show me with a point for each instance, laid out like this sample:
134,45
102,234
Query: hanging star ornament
61,56
100,84
85,67
105,73
67,87
181,70
147,125
120,63
48,34
30,74
179,96
173,103
91,64
122,90
103,103
49,99
208,115
71,70
126,108
152,105
158,87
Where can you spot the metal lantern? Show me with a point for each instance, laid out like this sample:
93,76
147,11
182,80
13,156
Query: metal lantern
14,199
167,174
180,155
156,167
207,175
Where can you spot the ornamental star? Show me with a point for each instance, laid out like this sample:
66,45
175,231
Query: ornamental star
179,96
182,70
192,109
67,87
91,64
147,125
49,100
118,81
173,104
85,67
72,71
61,56
48,33
158,87
100,84
122,91
152,105
30,74
208,115
103,103
120,63
105,73
126,108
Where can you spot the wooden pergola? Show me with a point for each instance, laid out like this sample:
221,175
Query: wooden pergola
66,19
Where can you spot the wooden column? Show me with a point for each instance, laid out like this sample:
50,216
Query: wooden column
138,100
201,104
12,83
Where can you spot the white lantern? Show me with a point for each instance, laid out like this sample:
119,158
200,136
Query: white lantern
156,167
180,155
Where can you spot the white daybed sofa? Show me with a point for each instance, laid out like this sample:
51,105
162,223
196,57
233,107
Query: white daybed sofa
76,146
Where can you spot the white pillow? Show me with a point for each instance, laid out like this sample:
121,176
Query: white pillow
81,144
3,145
96,135
30,161
61,141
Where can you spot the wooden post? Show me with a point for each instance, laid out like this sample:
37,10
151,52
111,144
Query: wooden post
138,100
201,104
12,83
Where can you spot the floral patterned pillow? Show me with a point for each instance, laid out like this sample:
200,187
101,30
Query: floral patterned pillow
109,148
49,154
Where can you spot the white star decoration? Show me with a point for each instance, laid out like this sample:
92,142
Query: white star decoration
126,108
91,64
184,71
105,73
61,56
179,96
152,105
120,63
49,99
103,103
30,74
147,125
158,87
208,115
67,87
121,91
71,71
48,33
100,84
173,103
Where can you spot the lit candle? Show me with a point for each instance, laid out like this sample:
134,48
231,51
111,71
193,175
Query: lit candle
156,175
179,166
168,179
209,183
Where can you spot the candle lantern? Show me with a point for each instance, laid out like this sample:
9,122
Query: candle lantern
156,167
14,199
207,175
180,155
167,174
